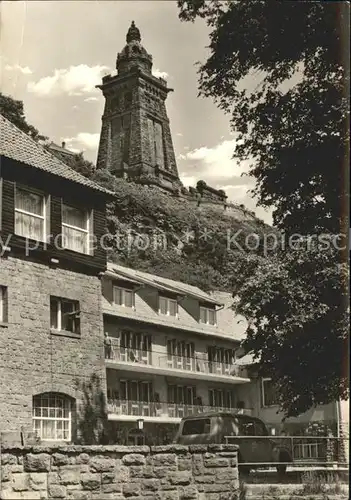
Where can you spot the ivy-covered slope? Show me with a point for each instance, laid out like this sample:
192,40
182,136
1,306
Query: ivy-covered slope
171,236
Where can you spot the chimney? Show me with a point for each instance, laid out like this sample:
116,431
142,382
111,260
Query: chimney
63,145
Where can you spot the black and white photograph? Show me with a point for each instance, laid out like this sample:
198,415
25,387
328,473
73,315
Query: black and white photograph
174,249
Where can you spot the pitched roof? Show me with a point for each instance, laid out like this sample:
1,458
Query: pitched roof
160,283
60,149
19,146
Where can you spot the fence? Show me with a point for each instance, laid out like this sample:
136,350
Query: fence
195,364
163,409
292,450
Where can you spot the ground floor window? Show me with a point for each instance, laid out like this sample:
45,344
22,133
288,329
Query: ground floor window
52,417
270,396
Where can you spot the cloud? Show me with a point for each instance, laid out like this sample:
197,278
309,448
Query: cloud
188,180
218,169
91,99
16,67
83,141
75,80
160,74
237,192
179,134
213,163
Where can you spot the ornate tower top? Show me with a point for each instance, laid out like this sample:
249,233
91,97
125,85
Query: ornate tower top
133,54
136,141
133,33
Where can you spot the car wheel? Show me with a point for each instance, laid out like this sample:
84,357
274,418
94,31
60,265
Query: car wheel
284,458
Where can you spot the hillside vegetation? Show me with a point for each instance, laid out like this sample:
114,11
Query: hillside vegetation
171,236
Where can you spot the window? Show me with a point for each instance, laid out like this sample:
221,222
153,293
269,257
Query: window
221,398
75,229
135,390
221,360
123,297
169,307
3,304
52,417
269,393
64,315
181,394
260,429
247,427
181,355
30,214
198,426
156,143
207,315
136,347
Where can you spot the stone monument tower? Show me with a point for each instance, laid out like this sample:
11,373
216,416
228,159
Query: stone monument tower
136,141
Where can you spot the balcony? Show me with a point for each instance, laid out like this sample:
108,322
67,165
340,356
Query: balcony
128,355
160,412
199,365
143,361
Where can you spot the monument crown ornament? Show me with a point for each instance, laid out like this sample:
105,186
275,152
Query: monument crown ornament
133,33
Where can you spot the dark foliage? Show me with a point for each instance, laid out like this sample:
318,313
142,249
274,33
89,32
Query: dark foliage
14,112
92,415
295,131
293,124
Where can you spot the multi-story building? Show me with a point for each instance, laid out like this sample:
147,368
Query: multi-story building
51,330
171,351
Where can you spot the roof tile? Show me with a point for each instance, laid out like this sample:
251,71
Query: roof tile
17,145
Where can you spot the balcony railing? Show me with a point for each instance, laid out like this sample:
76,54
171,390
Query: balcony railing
165,410
196,364
173,362
129,355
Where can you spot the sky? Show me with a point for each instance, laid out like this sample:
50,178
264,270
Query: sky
53,53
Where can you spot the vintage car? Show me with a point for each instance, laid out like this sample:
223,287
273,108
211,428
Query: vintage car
257,448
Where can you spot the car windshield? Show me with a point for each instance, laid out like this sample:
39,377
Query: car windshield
251,427
198,426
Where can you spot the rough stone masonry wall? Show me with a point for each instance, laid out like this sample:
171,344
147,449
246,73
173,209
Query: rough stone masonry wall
33,360
172,472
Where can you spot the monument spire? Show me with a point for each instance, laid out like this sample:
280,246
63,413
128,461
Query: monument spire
133,33
136,141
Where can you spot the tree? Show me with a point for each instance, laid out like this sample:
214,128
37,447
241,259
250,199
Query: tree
151,231
298,321
294,131
14,112
81,165
294,127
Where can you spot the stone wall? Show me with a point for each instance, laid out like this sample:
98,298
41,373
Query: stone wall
116,472
34,359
